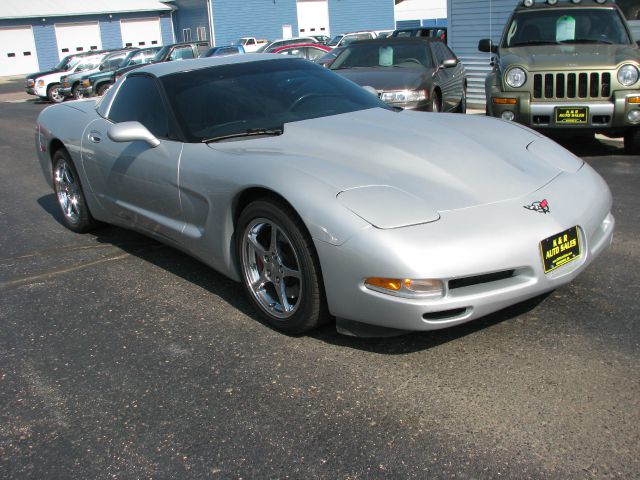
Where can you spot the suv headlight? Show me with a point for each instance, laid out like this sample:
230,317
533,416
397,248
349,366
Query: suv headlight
86,82
628,75
516,77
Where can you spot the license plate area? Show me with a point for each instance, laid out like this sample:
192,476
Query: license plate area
560,249
572,115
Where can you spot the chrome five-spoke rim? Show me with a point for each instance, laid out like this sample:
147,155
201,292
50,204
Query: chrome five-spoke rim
56,95
271,268
68,191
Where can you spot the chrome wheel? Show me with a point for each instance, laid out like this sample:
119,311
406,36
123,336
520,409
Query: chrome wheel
55,95
271,268
68,192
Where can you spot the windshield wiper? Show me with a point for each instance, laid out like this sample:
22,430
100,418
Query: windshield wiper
589,40
251,132
534,42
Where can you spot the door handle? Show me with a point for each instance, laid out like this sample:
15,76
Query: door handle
95,138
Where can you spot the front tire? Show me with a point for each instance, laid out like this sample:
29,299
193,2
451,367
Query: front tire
69,194
53,93
632,141
102,89
76,93
462,107
279,267
436,104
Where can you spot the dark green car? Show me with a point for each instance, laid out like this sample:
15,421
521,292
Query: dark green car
567,66
98,83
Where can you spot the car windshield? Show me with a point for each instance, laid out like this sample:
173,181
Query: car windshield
410,55
158,57
66,63
138,57
556,26
239,98
335,40
264,47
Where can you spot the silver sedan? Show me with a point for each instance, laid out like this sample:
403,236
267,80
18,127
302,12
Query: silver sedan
322,200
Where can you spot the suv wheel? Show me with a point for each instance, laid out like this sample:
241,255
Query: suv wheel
102,89
76,93
53,93
632,141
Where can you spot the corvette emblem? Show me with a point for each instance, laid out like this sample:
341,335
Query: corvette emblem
541,207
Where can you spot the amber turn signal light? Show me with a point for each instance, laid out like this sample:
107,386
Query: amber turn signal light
504,101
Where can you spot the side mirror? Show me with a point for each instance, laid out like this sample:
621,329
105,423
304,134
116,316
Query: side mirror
486,45
101,67
450,63
131,132
371,90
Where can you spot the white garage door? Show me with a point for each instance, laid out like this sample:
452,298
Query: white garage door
313,17
17,51
77,37
141,32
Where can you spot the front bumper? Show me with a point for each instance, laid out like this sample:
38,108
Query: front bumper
467,243
602,115
67,91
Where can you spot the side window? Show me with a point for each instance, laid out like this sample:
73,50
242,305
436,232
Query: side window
439,52
251,41
181,53
448,52
139,100
313,53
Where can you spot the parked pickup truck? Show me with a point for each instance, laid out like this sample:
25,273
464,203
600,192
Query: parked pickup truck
250,44
567,67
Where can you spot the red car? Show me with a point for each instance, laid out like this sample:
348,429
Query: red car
310,51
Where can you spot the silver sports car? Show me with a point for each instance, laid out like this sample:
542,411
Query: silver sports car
322,200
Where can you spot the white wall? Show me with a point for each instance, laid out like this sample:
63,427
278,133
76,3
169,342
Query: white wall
313,14
421,9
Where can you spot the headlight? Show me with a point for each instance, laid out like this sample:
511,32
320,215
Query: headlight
516,77
30,82
86,83
404,96
628,75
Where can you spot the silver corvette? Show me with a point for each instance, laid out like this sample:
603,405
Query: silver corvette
322,200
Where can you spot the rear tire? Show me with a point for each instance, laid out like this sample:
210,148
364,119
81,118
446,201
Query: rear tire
462,107
69,194
53,93
279,267
632,141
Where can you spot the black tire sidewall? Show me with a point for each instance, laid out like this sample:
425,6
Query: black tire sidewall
632,141
49,95
436,103
86,221
311,311
101,90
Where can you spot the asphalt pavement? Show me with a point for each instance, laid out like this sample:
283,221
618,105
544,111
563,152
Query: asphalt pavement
123,358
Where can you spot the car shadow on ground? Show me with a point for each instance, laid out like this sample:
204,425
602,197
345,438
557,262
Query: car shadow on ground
590,146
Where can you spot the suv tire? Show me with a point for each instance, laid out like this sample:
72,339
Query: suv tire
632,141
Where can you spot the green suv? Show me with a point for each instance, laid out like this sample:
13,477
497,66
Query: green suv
567,66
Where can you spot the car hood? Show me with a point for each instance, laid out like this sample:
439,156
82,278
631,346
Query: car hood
386,78
563,57
448,161
33,76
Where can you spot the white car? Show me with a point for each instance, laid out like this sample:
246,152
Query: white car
46,85
345,39
250,44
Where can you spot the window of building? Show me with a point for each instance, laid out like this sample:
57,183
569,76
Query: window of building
202,33
186,34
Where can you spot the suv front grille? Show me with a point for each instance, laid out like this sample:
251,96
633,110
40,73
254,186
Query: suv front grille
553,86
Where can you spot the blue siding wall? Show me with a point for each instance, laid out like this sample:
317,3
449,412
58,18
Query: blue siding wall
166,28
191,14
434,22
407,24
470,21
110,34
255,18
354,15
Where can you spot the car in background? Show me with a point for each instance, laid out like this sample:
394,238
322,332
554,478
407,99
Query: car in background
433,32
271,46
223,50
345,39
568,69
250,44
322,200
383,33
321,39
310,51
169,53
328,58
46,84
416,73
98,83
71,85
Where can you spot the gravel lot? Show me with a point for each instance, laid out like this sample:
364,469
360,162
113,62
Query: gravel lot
123,358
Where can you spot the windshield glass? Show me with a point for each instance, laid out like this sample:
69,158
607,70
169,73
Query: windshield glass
65,63
235,98
566,26
410,55
264,47
335,40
